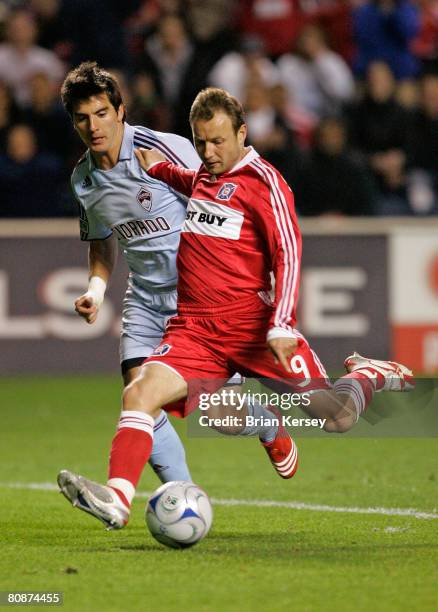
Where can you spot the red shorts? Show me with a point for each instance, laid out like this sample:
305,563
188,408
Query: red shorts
207,350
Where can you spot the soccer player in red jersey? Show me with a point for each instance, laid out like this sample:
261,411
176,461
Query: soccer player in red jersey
240,226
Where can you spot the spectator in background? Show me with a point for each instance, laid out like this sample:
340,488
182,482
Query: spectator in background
318,80
332,180
301,122
422,150
49,121
30,182
237,69
21,59
210,27
144,23
425,45
277,23
168,55
142,103
145,107
269,133
169,51
9,113
408,94
334,18
280,22
383,31
378,130
210,24
52,26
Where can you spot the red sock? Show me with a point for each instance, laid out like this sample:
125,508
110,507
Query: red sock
130,451
359,386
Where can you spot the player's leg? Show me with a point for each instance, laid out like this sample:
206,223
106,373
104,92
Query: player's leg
251,418
143,321
162,381
239,414
340,404
102,501
364,378
322,400
168,458
350,396
130,450
248,417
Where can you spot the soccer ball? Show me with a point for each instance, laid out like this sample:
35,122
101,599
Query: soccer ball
179,514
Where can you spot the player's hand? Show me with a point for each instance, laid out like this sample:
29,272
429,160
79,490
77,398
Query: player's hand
283,349
147,157
86,308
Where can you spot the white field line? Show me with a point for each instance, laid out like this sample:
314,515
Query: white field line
262,503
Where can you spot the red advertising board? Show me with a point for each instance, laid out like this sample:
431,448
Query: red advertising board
414,298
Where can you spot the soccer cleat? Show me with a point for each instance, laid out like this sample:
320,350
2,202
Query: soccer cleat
282,451
388,375
96,499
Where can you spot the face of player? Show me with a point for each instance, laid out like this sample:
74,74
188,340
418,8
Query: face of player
217,144
100,127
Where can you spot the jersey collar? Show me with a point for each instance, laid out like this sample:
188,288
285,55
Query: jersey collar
127,148
249,157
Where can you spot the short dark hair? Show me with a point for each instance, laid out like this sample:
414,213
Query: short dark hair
213,99
88,79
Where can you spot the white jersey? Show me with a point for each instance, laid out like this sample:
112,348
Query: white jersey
145,214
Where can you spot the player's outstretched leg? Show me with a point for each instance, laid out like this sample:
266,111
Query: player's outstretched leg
98,500
131,448
352,394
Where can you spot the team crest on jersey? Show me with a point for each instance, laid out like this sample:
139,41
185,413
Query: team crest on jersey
86,182
226,191
144,198
161,350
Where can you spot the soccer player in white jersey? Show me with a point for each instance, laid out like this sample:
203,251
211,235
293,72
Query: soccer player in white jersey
118,200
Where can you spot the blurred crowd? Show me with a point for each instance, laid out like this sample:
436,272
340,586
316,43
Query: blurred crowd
340,95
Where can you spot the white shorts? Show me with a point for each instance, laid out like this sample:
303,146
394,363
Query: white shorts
144,318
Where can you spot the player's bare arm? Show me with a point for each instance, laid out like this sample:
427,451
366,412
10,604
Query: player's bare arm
101,259
148,157
283,349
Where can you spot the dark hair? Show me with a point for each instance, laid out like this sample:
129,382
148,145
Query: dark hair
88,79
212,99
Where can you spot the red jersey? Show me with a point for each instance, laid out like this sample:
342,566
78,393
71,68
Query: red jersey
240,226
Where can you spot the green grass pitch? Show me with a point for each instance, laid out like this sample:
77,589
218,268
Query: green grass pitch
255,558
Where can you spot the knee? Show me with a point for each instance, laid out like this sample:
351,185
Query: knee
132,391
339,425
136,397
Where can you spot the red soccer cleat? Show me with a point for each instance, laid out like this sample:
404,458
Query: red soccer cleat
282,451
